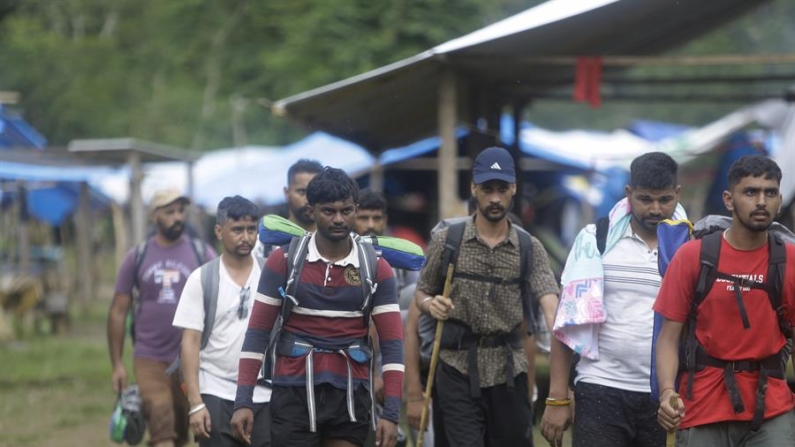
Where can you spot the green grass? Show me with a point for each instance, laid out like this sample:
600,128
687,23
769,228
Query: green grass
56,390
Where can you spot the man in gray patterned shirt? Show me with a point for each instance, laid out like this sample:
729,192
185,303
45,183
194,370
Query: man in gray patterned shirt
486,373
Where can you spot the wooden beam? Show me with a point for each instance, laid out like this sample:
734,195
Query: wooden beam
448,174
663,97
82,218
23,235
7,97
137,212
634,61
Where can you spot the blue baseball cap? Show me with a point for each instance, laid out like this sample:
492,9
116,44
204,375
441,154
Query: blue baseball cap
494,163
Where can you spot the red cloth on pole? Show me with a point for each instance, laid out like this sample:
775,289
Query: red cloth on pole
587,80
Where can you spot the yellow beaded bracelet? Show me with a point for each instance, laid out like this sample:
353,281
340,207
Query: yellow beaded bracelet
550,402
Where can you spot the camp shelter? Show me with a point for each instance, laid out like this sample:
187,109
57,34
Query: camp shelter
472,78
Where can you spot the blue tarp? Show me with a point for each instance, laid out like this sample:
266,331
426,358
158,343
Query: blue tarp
16,132
31,172
52,202
265,183
655,130
422,147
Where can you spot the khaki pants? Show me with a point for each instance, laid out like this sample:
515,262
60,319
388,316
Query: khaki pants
165,405
774,432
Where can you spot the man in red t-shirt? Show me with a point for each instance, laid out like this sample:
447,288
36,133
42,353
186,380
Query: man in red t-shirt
710,417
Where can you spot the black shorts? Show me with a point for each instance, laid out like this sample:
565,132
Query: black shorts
290,417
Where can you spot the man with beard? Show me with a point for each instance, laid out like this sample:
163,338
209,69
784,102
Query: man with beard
322,363
155,272
210,343
613,289
485,376
738,395
298,177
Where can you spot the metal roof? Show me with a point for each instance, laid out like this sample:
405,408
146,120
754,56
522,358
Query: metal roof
117,150
397,104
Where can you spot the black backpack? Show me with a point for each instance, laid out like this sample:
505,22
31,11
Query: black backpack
296,253
199,249
296,257
452,243
694,355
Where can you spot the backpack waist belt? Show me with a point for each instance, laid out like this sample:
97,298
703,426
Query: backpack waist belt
458,336
768,367
290,345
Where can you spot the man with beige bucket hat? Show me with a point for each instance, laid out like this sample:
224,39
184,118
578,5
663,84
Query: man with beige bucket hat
148,286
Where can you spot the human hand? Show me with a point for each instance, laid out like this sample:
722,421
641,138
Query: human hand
119,378
378,389
670,416
554,422
386,433
242,424
200,423
439,307
414,412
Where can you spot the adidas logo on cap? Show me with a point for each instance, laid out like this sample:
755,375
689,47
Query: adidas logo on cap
496,166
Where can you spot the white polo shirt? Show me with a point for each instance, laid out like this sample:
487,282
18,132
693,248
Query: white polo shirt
218,362
632,281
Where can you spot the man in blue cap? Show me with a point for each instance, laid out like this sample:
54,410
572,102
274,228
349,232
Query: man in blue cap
485,375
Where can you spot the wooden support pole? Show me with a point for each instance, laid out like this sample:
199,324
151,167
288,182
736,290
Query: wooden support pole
516,153
137,212
377,178
85,270
23,216
448,174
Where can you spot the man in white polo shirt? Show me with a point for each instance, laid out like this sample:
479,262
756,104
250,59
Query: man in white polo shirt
605,314
209,363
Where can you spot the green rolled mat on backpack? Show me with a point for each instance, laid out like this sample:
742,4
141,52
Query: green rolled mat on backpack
400,253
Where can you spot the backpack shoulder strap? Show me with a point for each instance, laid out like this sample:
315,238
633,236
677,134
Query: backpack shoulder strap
210,280
199,249
368,268
526,256
710,253
140,253
455,233
708,269
602,225
296,256
777,266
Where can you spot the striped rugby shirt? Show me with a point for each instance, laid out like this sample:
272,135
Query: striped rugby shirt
329,314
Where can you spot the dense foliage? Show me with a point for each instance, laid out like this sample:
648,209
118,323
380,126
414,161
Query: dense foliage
202,73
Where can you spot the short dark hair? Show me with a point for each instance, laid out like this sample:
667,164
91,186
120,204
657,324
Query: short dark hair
236,208
372,200
753,166
653,170
303,165
331,185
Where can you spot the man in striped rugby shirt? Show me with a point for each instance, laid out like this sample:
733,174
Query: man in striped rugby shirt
321,373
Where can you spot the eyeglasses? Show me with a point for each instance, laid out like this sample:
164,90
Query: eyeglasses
242,309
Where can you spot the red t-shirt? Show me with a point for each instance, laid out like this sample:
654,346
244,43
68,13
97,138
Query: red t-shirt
719,330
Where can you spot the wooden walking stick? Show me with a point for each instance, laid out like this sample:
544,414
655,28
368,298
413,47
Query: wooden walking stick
670,438
434,360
